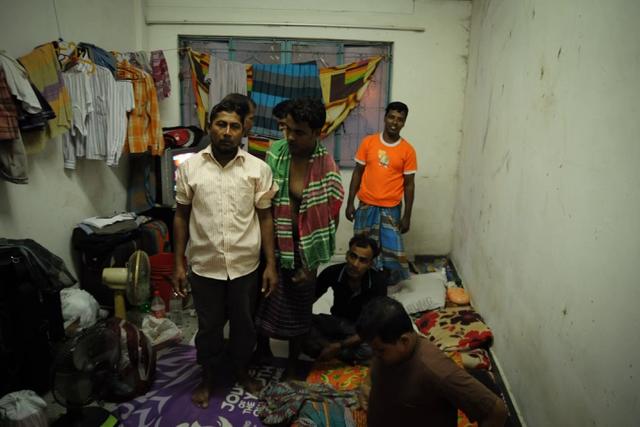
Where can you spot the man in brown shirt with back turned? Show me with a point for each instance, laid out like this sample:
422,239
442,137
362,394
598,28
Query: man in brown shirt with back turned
412,381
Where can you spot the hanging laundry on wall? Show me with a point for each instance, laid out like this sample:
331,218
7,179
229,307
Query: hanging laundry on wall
225,77
19,84
343,87
8,115
32,114
44,72
13,160
138,59
99,123
32,108
100,56
74,142
144,131
273,83
123,104
101,120
160,74
199,66
35,121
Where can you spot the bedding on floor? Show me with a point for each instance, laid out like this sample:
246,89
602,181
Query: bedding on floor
341,376
338,375
302,402
329,397
455,329
459,331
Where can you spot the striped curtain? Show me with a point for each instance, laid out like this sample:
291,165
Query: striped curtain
273,83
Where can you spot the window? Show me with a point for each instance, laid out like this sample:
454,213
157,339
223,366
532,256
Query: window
365,119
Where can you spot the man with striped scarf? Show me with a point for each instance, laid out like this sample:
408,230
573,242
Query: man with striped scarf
306,210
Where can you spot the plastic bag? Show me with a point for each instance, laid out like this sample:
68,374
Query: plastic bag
160,331
23,408
80,306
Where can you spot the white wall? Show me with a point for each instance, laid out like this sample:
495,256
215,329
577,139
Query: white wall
48,208
546,230
429,71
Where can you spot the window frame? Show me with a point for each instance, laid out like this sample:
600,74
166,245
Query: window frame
286,52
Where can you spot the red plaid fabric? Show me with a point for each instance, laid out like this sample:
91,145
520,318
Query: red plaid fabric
8,115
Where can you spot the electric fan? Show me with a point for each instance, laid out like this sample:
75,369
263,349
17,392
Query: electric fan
83,369
132,281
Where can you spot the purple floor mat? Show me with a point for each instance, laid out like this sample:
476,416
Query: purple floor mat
168,403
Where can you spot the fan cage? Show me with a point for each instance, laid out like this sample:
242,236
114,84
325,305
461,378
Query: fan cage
84,365
138,288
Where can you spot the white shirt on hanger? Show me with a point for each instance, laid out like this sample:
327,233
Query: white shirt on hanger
79,87
123,103
100,134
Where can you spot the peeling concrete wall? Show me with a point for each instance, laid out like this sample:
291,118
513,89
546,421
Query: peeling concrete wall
546,224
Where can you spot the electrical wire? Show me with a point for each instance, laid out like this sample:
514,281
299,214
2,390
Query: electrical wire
55,12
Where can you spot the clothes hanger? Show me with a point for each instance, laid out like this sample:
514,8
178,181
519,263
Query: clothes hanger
79,55
75,59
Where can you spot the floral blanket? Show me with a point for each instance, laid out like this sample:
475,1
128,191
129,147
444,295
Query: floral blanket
455,329
338,375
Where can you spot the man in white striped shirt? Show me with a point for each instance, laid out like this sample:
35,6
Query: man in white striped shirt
223,197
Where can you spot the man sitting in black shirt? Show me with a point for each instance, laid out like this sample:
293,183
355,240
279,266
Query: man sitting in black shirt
354,283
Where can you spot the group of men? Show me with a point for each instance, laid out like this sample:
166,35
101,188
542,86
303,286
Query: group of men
231,206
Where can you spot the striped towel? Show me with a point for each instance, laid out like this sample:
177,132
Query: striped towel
273,83
318,212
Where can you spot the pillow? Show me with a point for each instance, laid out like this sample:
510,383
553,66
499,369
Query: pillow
421,292
458,295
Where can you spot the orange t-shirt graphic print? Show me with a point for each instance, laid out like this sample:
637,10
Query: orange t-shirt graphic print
385,166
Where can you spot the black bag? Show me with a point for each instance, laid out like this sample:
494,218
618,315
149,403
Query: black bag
30,321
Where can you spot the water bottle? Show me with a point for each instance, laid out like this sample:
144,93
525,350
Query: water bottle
145,307
175,309
158,309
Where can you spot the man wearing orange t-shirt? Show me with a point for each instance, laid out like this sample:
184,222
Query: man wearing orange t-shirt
384,175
